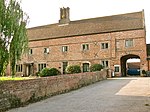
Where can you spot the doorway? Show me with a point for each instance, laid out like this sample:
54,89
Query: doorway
125,66
86,67
29,69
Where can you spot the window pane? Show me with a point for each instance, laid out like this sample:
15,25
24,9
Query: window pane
85,67
64,48
102,45
106,63
117,69
117,45
39,67
85,47
44,65
129,43
45,50
30,51
103,63
21,68
65,64
16,68
106,45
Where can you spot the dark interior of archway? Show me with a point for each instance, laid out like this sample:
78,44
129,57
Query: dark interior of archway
123,63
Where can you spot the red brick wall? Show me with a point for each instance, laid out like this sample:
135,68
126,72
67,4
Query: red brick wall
32,89
75,55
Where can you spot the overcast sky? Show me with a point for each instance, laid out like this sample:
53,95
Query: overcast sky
42,12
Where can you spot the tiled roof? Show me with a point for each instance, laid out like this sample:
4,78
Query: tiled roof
113,23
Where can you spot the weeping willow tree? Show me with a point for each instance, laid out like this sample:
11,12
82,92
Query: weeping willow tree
13,38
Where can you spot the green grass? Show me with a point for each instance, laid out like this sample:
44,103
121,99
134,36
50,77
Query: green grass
15,78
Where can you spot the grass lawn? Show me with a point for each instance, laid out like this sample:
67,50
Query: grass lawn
15,78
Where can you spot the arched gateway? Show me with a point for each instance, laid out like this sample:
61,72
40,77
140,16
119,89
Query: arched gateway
123,62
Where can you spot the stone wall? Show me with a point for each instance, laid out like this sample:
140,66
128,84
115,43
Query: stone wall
17,93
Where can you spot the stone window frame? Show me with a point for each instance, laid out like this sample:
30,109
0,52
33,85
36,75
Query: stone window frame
104,45
19,68
85,67
129,43
85,47
46,50
64,66
41,66
30,51
105,63
117,45
64,48
116,68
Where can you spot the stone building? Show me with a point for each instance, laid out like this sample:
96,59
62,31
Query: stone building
110,41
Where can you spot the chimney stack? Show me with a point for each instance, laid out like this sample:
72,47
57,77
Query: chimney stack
64,15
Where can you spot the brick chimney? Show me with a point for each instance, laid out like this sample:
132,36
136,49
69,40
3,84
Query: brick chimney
64,15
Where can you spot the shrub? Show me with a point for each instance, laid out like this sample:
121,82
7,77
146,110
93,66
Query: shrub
44,72
73,69
143,72
49,72
96,67
54,72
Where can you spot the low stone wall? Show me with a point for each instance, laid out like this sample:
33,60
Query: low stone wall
18,93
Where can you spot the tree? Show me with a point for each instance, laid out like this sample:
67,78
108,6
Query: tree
13,38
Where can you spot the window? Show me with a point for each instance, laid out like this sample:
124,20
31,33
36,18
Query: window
65,64
41,66
104,45
116,68
105,63
85,47
30,51
46,50
19,68
129,43
86,67
117,45
64,48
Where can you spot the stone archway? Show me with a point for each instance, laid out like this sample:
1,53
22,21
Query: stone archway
123,61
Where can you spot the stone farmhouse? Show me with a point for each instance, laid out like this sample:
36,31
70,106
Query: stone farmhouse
109,41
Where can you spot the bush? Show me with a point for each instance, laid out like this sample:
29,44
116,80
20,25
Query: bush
49,72
54,72
96,67
73,69
143,72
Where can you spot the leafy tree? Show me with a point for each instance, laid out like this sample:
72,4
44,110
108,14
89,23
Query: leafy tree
13,37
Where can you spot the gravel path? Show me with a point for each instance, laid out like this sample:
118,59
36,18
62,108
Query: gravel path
112,95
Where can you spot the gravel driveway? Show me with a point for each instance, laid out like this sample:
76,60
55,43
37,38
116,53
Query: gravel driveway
112,95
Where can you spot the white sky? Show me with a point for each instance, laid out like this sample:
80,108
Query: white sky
42,12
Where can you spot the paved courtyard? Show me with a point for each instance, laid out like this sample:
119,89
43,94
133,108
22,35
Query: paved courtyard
129,94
